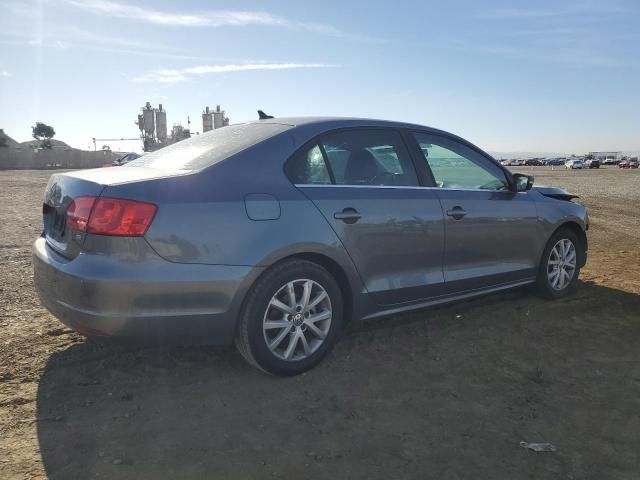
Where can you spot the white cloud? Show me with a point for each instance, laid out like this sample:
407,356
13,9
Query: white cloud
86,36
85,40
217,18
4,74
47,42
178,75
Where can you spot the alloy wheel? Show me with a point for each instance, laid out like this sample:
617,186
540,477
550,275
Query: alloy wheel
561,266
297,320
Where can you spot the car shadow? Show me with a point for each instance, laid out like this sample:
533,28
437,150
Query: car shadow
447,392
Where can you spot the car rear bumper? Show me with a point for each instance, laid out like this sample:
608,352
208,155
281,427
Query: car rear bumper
146,297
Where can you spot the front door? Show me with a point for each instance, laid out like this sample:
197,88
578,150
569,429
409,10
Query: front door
492,233
365,185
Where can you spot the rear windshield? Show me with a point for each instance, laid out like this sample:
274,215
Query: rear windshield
209,148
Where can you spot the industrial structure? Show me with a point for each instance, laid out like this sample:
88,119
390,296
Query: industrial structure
178,132
152,123
214,119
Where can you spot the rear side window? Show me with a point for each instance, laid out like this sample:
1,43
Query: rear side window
362,157
307,167
209,148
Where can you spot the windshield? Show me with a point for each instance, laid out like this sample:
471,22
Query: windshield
209,148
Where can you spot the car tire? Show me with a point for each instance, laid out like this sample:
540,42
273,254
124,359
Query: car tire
551,282
265,332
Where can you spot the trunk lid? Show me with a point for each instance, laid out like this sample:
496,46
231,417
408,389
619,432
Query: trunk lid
63,188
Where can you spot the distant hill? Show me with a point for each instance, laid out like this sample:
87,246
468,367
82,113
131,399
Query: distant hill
54,144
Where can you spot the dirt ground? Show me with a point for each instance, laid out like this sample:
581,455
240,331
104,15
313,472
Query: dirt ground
446,393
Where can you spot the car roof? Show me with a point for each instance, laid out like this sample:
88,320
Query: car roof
322,124
337,122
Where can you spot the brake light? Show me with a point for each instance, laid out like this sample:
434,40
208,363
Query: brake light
110,216
78,213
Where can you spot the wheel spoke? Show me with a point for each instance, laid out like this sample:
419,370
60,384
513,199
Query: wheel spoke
321,296
272,324
305,344
319,317
291,292
554,273
306,293
568,248
319,333
281,306
281,336
293,342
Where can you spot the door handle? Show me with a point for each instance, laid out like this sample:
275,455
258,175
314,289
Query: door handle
348,215
456,212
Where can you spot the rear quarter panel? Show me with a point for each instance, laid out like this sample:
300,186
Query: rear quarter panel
202,217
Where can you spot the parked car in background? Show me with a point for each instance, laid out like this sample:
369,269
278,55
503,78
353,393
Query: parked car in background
555,162
592,163
610,161
273,234
633,163
533,162
124,159
624,163
574,164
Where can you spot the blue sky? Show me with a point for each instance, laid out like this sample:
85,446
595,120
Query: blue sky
559,76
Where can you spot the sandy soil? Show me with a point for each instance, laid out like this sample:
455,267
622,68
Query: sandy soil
446,393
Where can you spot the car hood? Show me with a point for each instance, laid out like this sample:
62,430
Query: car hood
554,192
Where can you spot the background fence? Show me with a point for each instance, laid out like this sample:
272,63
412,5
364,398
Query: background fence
27,159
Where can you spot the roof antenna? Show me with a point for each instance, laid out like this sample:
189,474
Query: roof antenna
263,116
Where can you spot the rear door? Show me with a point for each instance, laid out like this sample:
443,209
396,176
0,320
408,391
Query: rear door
364,183
492,233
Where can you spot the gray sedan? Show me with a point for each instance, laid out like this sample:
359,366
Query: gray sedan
272,234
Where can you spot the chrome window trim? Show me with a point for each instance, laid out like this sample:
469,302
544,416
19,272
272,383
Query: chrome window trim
305,185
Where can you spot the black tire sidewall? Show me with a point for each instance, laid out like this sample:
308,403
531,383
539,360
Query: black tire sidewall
543,282
253,315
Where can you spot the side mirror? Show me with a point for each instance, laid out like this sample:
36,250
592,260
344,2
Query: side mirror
522,182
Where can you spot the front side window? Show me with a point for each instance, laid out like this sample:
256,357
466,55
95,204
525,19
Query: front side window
456,166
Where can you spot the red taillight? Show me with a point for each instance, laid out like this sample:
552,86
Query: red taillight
78,213
110,216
